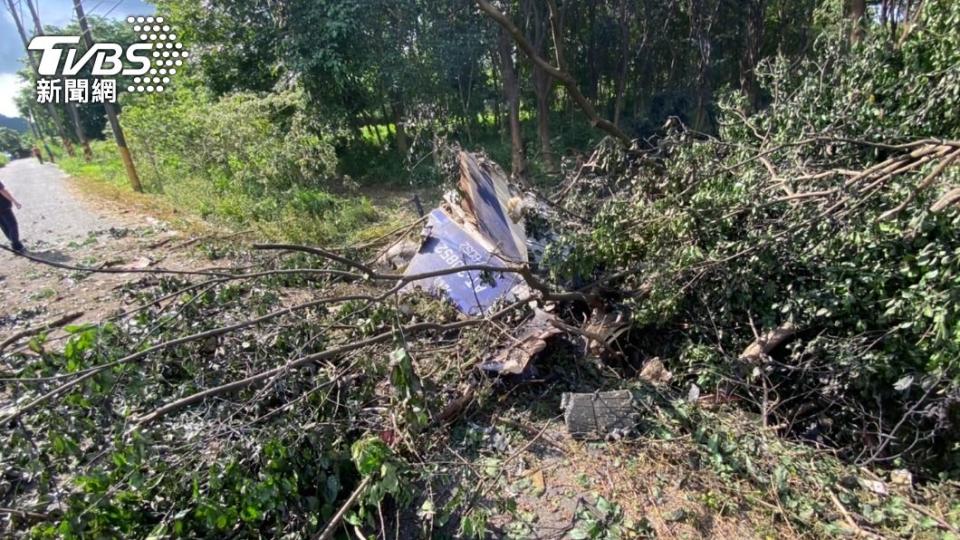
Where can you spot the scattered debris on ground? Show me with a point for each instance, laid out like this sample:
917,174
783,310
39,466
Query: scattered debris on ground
476,378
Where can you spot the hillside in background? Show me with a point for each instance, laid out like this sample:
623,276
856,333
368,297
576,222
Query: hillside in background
17,124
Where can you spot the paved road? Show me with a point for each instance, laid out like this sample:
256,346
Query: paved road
51,214
60,225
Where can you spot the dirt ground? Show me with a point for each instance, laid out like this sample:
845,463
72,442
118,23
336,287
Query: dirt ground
61,225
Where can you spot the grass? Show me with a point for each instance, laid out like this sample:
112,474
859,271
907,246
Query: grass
105,178
3,160
299,215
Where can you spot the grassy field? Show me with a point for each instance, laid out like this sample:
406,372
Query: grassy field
309,216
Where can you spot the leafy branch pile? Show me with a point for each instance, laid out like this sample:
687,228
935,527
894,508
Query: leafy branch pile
828,219
275,459
804,265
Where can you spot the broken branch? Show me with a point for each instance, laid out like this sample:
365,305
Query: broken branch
565,78
90,372
768,342
329,353
68,318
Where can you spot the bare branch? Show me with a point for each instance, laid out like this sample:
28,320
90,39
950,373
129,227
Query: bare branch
565,78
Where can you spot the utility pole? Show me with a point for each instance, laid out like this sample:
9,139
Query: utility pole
110,108
38,132
33,61
71,108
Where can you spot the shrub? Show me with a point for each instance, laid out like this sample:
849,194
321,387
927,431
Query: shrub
720,253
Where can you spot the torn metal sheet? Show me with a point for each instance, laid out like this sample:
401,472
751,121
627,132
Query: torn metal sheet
532,338
448,245
492,208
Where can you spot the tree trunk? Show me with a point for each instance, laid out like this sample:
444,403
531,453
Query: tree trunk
593,77
560,74
495,81
701,21
511,94
542,87
111,110
624,63
51,112
756,10
538,30
403,144
858,9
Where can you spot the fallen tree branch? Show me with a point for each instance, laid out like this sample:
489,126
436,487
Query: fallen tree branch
65,319
92,371
221,275
26,514
311,358
331,527
64,266
399,231
856,529
949,198
768,342
525,272
924,184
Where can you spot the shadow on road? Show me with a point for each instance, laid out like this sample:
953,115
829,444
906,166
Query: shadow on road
50,255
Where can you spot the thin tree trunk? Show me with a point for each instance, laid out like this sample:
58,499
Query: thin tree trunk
51,112
71,108
403,144
538,28
561,74
496,81
858,9
624,63
756,10
593,77
701,22
511,94
542,86
111,110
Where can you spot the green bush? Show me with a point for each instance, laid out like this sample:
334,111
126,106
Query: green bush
243,160
720,254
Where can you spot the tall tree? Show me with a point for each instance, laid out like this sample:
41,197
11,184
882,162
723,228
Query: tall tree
71,108
858,9
702,14
537,22
560,73
511,94
54,117
623,70
753,41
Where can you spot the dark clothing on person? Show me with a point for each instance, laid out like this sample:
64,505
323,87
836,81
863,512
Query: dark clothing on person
4,202
8,223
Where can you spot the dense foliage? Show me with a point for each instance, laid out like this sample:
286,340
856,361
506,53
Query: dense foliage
768,226
772,184
10,141
245,158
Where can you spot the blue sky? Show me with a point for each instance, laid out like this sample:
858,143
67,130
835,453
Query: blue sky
55,12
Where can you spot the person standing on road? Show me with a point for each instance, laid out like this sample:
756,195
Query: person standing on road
8,222
38,155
